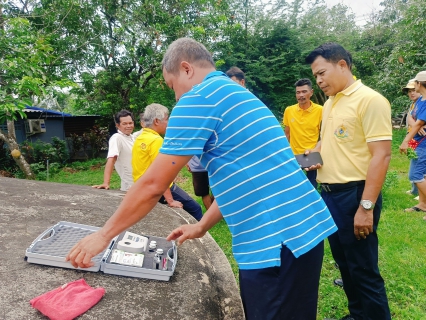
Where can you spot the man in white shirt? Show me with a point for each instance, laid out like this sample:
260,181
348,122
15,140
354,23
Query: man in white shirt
120,152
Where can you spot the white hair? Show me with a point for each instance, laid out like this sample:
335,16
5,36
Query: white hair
154,111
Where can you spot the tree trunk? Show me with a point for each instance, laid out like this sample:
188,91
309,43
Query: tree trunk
11,143
10,137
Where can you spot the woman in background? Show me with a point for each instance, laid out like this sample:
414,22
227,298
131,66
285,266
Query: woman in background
418,166
410,90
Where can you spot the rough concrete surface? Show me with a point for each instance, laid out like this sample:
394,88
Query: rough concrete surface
202,287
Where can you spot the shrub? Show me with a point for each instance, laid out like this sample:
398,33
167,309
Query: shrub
38,151
42,170
62,154
97,140
41,154
7,164
75,144
91,142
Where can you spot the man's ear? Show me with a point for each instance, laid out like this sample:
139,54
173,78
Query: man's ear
342,64
187,68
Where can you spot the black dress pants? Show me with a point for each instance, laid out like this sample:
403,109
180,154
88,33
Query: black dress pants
357,259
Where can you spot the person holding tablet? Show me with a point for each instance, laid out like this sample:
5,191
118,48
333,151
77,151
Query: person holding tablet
303,122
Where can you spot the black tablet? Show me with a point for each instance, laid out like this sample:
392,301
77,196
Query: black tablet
311,159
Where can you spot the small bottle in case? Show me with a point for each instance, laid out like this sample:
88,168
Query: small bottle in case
152,246
156,262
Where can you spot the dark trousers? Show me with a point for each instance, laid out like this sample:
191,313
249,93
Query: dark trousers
189,205
357,259
312,177
286,292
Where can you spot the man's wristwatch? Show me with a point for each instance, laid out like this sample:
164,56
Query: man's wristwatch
367,204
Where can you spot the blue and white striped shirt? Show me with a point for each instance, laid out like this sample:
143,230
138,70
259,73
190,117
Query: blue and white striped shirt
259,187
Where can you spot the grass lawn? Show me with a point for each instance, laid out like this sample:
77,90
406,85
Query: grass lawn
402,239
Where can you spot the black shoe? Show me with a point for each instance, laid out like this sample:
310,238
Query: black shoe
348,317
339,283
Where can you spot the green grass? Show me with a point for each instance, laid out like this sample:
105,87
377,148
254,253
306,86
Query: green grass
87,173
402,238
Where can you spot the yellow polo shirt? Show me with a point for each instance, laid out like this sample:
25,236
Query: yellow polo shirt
352,118
304,126
145,150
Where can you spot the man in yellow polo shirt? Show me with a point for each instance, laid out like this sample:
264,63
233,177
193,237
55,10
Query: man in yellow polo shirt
355,146
302,122
145,150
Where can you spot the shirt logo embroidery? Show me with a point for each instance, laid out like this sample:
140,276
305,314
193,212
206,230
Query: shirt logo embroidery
341,132
143,146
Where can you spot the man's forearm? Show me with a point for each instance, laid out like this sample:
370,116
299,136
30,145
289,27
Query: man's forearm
376,173
109,168
168,196
211,217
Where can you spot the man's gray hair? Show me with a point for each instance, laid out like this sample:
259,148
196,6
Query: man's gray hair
154,111
189,50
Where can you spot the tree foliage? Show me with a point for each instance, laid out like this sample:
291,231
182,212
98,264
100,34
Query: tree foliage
25,56
391,50
113,48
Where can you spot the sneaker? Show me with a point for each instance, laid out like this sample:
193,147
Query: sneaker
408,192
416,198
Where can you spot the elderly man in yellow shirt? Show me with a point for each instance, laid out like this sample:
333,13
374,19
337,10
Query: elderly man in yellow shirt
302,122
145,150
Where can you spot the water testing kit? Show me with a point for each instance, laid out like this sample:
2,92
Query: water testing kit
128,254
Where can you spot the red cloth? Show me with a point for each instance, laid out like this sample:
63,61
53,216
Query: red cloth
68,301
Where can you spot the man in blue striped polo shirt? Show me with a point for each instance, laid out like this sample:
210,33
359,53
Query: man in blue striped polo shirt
277,219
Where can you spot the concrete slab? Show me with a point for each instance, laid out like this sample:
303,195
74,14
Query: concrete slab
203,286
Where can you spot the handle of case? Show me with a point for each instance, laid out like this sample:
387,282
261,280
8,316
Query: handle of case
41,236
172,254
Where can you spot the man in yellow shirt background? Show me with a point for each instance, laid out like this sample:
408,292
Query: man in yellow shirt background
302,122
145,150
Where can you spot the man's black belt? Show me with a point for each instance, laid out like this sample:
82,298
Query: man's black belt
335,187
